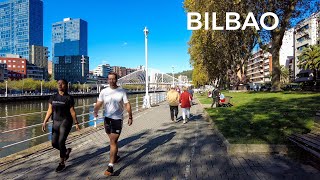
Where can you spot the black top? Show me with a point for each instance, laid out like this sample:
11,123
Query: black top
61,106
215,93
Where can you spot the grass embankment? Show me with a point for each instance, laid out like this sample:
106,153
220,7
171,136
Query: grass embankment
264,118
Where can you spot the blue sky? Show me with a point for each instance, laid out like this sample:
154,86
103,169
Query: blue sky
115,31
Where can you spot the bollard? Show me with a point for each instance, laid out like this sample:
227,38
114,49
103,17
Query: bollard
137,103
95,122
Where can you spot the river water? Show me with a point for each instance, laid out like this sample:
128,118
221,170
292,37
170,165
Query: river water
16,115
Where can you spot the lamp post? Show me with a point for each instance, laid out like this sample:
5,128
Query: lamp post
146,100
6,88
83,87
41,89
69,86
83,61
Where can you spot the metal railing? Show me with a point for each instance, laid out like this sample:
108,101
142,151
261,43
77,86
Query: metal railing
155,99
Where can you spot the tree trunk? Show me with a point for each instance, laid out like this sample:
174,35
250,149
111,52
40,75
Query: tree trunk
276,72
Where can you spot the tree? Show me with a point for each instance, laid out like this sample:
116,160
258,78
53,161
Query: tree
310,59
284,77
289,12
221,55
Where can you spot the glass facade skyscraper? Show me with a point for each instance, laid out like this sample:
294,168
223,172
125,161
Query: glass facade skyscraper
21,25
70,38
69,49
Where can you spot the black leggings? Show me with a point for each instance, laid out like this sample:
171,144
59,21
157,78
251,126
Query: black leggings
60,132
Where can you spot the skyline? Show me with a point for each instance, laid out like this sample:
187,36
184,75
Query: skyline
109,44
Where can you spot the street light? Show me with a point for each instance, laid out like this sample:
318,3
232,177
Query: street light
41,89
83,87
69,86
146,100
6,88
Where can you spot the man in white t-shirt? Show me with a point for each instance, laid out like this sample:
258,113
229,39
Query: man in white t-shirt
114,99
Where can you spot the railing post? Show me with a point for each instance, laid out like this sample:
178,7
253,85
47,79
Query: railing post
137,103
95,122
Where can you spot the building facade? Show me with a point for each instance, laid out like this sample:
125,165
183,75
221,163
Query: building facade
259,68
306,33
3,72
117,69
16,67
35,72
39,57
102,70
21,26
70,69
70,49
70,38
50,67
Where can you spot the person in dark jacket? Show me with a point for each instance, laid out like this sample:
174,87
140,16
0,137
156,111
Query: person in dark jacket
215,98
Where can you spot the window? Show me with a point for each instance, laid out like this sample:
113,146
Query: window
22,66
14,66
67,59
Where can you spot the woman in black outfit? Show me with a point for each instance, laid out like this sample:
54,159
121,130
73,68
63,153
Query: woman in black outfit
61,107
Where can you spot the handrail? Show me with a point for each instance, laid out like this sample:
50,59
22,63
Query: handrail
35,125
39,136
158,100
39,112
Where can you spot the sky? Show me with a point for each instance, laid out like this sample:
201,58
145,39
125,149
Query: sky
115,31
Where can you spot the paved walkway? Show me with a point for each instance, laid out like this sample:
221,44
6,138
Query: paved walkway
154,147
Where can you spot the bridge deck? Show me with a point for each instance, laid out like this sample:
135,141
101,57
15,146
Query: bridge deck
156,147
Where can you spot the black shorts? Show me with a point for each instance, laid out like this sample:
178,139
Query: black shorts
112,125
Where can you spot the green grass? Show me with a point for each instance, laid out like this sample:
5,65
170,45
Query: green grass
264,118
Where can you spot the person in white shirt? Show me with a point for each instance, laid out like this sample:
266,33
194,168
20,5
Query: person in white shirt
114,99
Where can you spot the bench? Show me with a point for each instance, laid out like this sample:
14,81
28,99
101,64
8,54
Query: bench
309,142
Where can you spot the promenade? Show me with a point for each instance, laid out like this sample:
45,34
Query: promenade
154,147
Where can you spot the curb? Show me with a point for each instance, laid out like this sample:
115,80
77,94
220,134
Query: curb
240,149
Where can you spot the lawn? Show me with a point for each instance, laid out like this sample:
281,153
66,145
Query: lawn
264,118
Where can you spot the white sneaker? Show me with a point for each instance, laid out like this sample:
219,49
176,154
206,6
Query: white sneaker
184,121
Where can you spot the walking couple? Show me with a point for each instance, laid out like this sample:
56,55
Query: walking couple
185,101
61,108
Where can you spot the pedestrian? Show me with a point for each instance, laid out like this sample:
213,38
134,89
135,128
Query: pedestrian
215,97
185,100
173,101
114,99
178,90
61,108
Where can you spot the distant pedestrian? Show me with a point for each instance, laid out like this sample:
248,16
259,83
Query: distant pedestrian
185,100
215,97
173,101
61,108
178,90
114,99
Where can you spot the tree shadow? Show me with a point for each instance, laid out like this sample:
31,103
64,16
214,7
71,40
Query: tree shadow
146,149
81,159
